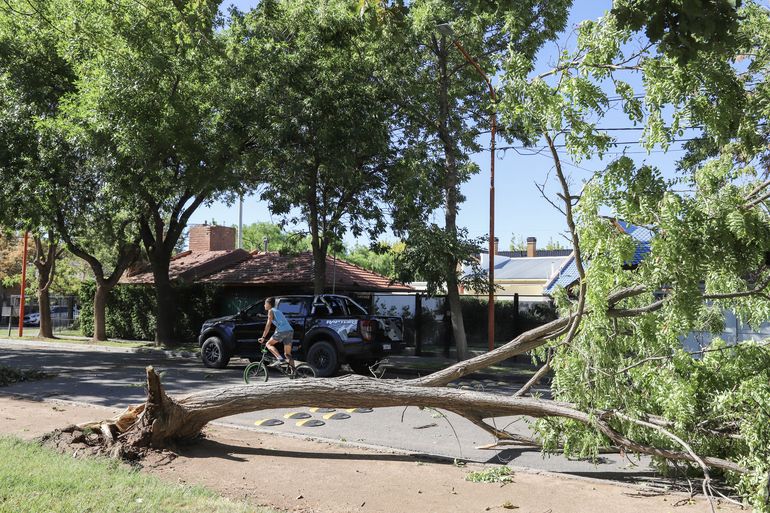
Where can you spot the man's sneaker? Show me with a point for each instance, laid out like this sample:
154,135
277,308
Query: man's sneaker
276,363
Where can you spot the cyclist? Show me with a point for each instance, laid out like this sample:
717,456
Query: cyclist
283,334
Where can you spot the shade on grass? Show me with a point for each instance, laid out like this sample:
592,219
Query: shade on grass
37,479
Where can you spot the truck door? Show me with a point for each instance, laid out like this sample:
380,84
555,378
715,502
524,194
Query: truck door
249,328
296,310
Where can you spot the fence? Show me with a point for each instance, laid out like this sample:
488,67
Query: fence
427,321
64,313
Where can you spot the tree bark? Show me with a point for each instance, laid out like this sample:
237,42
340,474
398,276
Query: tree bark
164,297
45,263
451,199
100,309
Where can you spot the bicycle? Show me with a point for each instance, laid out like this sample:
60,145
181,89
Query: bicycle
257,371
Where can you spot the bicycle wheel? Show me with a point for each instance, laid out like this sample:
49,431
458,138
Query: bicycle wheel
303,371
255,372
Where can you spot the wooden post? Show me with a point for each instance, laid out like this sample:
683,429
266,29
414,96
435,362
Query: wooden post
418,325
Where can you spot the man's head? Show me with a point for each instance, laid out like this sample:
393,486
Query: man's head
269,303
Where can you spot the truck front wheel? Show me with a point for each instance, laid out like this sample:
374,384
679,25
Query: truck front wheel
214,354
323,357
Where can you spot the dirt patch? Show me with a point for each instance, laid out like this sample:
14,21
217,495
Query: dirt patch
303,475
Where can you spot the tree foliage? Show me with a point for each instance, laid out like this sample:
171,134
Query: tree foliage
710,234
326,154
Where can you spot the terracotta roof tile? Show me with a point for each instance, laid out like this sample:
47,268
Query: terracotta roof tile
275,269
190,266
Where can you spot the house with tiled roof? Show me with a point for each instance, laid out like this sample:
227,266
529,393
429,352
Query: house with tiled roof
212,260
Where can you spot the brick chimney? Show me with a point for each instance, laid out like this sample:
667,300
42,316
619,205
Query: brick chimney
205,237
531,246
497,245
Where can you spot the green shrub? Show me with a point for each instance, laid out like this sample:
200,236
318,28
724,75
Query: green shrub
507,324
131,310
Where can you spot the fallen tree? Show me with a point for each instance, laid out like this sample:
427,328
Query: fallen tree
163,421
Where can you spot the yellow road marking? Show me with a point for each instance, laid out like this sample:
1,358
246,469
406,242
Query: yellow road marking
310,423
336,416
296,415
268,422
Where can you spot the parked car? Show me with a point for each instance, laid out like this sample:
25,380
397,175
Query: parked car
60,316
329,330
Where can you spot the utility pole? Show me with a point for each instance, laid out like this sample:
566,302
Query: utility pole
23,284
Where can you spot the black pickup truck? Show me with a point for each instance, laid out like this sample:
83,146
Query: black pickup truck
329,330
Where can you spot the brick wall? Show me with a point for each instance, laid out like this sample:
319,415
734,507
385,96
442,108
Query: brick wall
211,238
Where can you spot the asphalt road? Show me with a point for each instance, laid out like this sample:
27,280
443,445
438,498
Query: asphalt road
114,377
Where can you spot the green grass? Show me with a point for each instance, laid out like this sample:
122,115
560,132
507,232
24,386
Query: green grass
37,479
500,474
74,337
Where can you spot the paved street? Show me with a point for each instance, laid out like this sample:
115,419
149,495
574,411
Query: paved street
114,377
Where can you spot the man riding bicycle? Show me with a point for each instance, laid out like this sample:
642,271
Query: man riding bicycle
284,333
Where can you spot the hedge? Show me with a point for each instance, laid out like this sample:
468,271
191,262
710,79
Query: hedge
130,312
475,311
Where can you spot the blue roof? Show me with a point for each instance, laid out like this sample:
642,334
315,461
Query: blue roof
568,274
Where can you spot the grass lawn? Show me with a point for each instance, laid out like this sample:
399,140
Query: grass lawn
75,337
34,478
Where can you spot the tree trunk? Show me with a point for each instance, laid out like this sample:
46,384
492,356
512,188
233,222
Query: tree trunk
319,269
166,310
45,263
451,198
100,308
44,302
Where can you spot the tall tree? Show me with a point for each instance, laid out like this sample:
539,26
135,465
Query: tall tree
326,155
445,106
56,178
154,102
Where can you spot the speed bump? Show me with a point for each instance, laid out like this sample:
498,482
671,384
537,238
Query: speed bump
268,422
310,423
359,410
322,410
336,416
297,415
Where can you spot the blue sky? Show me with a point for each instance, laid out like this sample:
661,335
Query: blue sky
520,208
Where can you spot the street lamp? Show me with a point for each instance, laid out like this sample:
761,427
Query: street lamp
447,30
